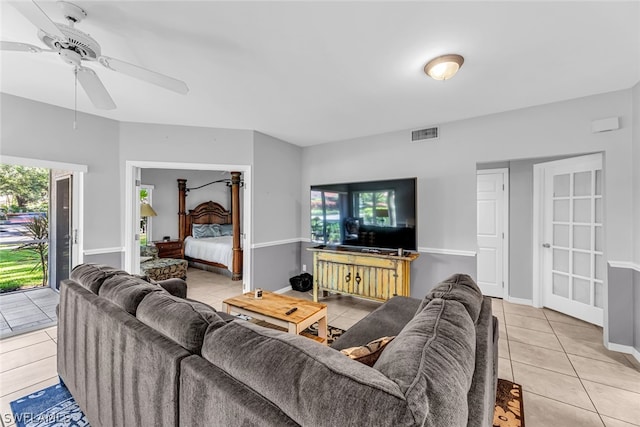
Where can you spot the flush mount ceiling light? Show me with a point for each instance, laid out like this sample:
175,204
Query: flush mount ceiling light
444,67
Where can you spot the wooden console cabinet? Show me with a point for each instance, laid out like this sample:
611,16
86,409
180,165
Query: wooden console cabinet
372,275
169,249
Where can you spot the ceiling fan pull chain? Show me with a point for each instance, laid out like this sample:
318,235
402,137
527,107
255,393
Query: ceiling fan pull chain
75,99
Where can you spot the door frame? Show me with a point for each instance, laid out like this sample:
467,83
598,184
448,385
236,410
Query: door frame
505,223
77,197
538,223
132,210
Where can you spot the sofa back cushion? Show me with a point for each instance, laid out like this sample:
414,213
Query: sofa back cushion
92,276
458,287
432,360
184,321
311,383
127,291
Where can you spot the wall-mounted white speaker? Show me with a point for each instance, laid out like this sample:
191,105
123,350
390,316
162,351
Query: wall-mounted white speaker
605,125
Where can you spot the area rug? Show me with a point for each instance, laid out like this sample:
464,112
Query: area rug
52,406
509,410
333,333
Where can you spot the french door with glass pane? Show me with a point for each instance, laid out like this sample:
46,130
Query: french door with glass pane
573,238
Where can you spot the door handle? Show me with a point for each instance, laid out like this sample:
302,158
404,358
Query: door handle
546,245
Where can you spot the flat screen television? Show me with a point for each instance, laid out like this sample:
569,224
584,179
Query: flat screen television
372,214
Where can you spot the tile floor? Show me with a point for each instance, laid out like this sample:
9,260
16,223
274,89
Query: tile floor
568,377
27,310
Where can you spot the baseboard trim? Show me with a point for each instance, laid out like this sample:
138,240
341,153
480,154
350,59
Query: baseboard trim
283,290
624,349
625,264
521,301
276,243
440,251
101,251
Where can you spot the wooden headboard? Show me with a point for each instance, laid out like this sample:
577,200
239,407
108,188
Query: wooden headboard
206,213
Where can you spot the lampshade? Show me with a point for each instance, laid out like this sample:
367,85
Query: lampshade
147,210
444,67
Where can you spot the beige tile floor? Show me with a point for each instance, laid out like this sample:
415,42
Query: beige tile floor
568,377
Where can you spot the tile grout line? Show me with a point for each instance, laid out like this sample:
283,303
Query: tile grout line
22,366
547,319
39,308
568,353
30,385
577,374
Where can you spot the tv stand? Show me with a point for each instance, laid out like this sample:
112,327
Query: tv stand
376,274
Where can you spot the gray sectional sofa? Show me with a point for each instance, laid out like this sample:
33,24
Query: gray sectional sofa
133,354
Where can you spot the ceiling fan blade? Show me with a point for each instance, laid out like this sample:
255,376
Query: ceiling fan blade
145,75
19,47
36,15
95,89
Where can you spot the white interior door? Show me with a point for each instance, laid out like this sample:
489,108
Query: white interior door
492,211
572,247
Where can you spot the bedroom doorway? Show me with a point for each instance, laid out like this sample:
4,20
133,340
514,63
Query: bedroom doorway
132,209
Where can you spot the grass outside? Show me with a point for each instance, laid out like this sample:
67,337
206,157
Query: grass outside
17,270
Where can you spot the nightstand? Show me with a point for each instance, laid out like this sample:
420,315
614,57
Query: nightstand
169,248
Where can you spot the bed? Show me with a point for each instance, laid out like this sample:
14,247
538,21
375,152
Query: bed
210,233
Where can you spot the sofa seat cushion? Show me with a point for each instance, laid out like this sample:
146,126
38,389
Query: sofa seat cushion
432,360
458,287
184,321
92,276
311,383
127,291
388,319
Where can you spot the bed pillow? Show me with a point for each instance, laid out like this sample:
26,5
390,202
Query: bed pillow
200,231
226,229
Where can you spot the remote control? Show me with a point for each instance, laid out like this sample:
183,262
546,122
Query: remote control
291,311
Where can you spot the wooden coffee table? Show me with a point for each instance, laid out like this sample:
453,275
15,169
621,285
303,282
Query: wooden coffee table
272,308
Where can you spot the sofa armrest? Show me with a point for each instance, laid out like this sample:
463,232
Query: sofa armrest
176,287
386,320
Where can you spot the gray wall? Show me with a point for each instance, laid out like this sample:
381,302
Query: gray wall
446,168
276,189
621,305
636,310
275,211
35,130
521,229
274,265
165,195
636,172
636,213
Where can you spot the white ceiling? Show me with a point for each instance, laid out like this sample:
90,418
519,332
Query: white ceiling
314,72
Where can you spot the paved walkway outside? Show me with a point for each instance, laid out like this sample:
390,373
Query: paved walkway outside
25,311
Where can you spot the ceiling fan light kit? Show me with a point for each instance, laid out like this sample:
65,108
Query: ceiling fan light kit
444,67
75,46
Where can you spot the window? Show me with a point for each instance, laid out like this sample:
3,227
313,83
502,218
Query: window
146,234
376,207
326,209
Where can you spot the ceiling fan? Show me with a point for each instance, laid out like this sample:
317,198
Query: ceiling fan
75,47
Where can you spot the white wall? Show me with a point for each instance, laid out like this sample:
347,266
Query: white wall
165,195
169,143
41,131
446,168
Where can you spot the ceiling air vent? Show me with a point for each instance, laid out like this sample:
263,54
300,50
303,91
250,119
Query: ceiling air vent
428,133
